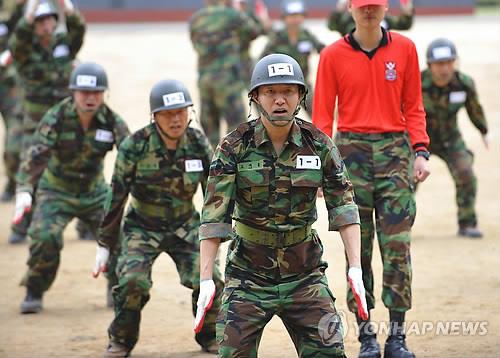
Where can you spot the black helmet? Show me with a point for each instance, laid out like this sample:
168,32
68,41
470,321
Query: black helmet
88,76
169,94
441,50
274,69
291,7
45,8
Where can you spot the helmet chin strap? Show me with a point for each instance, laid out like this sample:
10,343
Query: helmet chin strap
275,119
162,132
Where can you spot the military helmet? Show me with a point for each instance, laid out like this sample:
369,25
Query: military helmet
291,7
169,94
275,69
88,76
441,50
45,8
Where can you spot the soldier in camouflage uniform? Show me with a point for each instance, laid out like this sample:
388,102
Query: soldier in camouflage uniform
65,162
10,104
216,31
340,19
445,91
295,41
44,60
161,165
265,176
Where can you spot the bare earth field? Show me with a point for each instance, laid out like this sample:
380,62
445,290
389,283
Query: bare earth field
456,281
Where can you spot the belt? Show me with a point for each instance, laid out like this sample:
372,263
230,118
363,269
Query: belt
160,211
370,136
272,239
71,185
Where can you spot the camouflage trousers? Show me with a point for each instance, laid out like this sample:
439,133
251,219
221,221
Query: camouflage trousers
54,210
380,167
459,161
140,248
11,111
221,98
288,282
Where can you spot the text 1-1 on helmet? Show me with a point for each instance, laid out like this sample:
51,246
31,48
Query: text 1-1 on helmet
441,50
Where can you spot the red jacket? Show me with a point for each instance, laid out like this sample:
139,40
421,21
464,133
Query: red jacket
377,95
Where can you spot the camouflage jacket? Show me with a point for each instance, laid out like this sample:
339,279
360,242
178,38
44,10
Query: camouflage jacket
156,178
8,74
343,22
442,104
64,153
45,72
306,44
216,33
250,184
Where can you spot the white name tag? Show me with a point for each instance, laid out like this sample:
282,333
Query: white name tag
304,46
193,165
102,135
295,8
458,97
280,69
86,81
4,30
441,52
61,51
308,162
174,98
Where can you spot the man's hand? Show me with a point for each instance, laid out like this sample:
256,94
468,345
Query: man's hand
29,10
205,300
355,277
406,6
420,169
67,6
23,206
101,261
6,58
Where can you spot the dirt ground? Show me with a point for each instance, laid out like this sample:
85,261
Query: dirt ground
456,281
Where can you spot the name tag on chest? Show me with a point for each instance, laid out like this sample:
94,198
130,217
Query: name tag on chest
102,135
304,46
61,51
193,165
308,162
458,97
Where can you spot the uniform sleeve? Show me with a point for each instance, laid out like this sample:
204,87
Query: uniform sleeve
340,22
123,177
412,104
401,22
216,216
76,32
120,131
207,159
271,43
21,42
250,28
474,109
16,15
35,162
338,192
325,94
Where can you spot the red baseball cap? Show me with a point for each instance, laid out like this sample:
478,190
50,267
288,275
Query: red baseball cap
360,3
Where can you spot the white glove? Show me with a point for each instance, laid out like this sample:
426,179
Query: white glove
355,276
5,58
23,206
205,300
101,261
68,6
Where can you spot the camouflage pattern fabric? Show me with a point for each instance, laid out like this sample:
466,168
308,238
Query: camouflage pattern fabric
343,23
279,42
10,101
380,167
66,164
247,63
161,218
216,32
249,183
441,106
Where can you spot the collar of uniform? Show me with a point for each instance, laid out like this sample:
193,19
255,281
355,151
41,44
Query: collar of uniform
261,136
386,37
99,117
156,143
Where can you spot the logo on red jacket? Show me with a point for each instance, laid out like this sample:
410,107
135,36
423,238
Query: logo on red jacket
390,71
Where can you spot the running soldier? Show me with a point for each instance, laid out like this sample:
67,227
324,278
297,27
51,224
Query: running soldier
265,176
65,164
445,91
161,166
44,60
